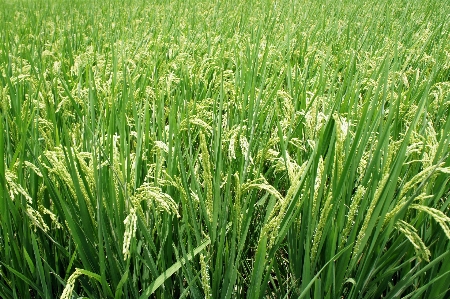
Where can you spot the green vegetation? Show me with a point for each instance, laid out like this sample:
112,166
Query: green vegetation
237,149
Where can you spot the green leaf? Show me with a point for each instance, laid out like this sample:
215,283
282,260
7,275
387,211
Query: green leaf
171,270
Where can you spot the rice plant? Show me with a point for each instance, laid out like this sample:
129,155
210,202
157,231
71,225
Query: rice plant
224,149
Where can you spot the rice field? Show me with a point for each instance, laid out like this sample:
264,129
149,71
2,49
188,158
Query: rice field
224,149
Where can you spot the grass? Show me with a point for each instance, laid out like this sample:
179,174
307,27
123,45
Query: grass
178,149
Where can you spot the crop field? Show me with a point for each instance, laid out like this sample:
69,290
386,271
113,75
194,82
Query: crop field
224,149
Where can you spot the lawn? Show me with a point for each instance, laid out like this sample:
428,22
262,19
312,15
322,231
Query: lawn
224,149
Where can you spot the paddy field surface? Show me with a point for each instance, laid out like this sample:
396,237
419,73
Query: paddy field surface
224,149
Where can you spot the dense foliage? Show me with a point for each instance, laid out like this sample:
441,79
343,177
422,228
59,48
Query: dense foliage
224,149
